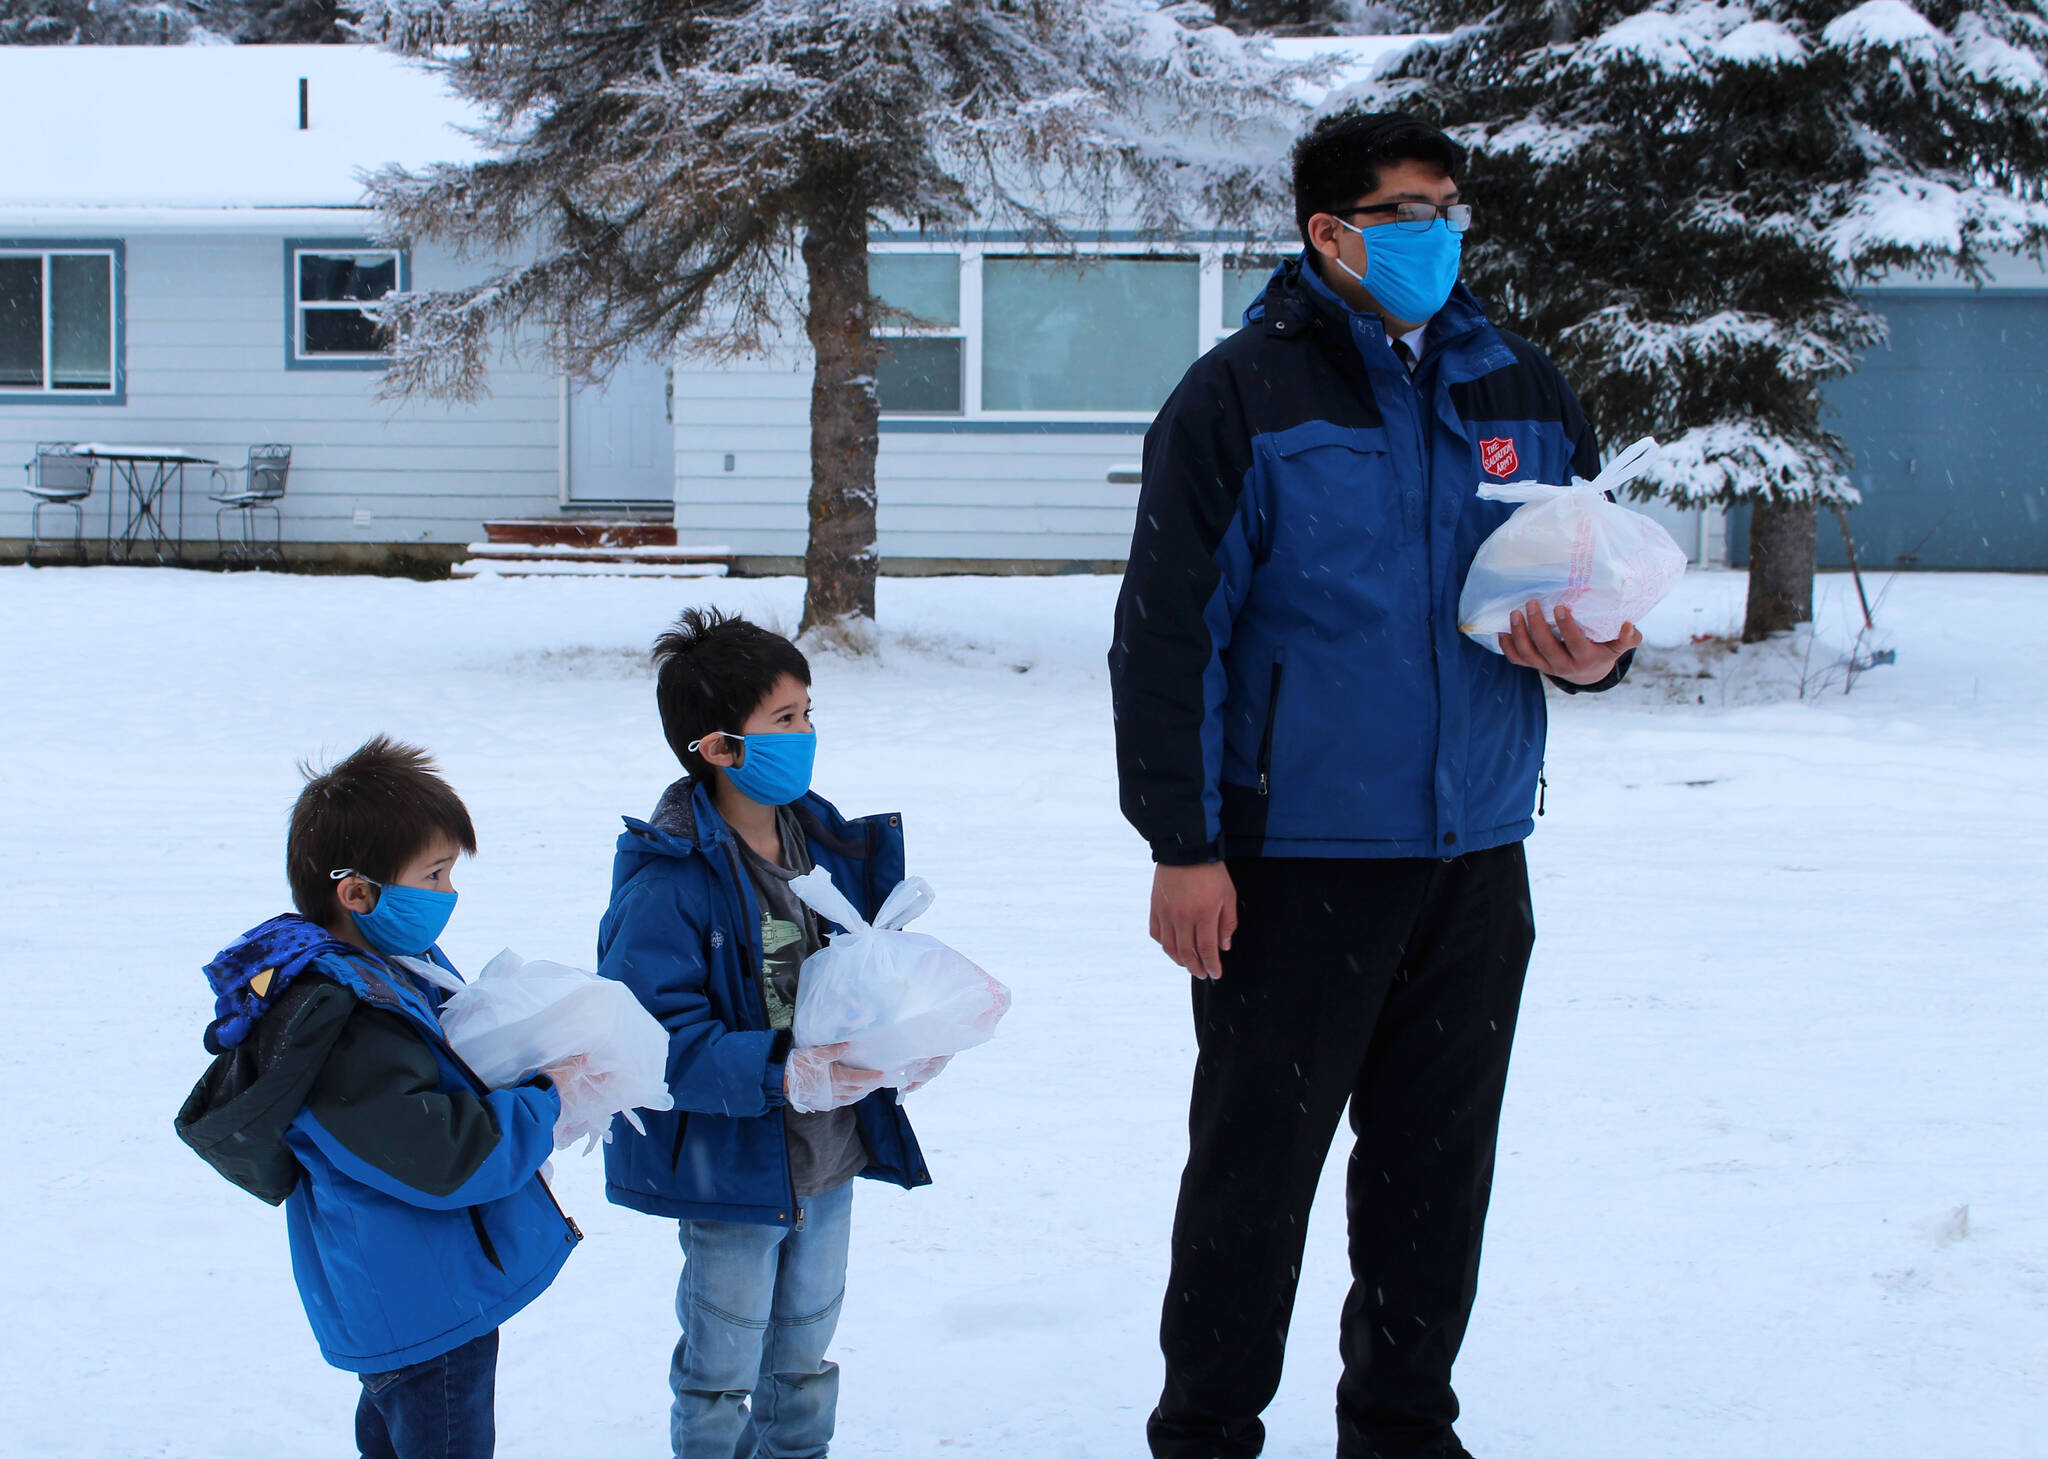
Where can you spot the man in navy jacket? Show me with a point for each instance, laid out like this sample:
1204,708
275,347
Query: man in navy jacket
1335,784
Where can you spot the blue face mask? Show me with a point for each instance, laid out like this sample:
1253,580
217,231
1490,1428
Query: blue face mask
406,922
1410,275
774,769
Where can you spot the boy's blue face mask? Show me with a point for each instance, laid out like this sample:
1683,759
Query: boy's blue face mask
406,922
773,769
1411,275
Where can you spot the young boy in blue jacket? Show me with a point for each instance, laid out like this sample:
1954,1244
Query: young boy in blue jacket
757,1159
418,1218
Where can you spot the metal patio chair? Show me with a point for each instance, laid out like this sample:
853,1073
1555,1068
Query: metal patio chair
247,490
58,478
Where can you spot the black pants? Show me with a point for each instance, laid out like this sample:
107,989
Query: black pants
1393,986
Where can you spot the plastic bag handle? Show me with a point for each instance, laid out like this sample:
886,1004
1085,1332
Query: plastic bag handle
912,898
1626,467
815,889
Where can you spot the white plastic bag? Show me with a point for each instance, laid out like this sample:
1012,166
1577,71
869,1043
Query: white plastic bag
894,998
1568,546
518,1017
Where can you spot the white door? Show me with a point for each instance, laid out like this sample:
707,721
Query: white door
622,439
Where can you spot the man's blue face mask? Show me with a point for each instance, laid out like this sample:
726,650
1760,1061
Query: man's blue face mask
1409,274
406,922
773,769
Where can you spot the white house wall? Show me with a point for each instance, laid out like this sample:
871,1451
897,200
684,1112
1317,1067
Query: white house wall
205,370
1017,495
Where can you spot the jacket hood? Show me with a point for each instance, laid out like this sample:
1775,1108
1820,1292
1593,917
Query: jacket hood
284,947
237,1116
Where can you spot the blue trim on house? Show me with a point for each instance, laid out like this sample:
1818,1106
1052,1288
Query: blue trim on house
891,427
292,358
119,394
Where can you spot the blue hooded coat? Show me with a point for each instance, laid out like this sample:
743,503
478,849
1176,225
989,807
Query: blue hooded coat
1287,670
683,932
417,1215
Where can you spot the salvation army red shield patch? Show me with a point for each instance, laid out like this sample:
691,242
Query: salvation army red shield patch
1498,456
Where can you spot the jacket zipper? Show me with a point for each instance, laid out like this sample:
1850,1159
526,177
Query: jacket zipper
1542,789
1266,740
575,1231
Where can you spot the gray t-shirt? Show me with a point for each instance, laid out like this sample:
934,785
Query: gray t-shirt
825,1149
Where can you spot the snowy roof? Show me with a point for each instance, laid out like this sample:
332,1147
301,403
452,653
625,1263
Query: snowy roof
179,129
208,136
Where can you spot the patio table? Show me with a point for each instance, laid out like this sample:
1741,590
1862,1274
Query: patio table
149,472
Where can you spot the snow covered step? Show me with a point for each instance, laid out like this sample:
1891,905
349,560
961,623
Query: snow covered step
567,552
565,567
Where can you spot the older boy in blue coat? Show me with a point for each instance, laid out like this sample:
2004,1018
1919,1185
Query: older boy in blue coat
419,1222
757,1159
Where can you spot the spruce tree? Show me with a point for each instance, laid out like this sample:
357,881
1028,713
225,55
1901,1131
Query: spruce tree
1682,201
700,174
99,22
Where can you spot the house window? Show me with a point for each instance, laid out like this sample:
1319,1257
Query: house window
59,321
329,283
994,337
1245,277
923,365
1106,334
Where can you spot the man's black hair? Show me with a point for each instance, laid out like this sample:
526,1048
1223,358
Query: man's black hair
1338,160
711,671
373,813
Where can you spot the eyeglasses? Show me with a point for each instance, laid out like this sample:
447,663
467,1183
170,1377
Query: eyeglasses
1416,217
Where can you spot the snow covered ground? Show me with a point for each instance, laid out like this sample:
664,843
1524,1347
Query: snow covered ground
1785,1024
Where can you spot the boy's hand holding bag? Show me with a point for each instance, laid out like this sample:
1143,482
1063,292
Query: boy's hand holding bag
604,1053
1569,547
877,998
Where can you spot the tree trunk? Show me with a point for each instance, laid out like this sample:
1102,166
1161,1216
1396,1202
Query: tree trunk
1781,546
839,563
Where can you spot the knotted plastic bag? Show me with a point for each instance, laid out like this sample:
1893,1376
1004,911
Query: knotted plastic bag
894,998
517,1018
1568,546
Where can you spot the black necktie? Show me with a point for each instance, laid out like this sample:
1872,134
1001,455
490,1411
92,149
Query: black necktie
1405,355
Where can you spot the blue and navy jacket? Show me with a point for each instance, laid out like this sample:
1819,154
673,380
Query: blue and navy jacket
684,933
1288,674
417,1215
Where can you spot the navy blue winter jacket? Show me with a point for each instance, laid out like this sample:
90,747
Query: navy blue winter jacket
684,933
1288,674
417,1216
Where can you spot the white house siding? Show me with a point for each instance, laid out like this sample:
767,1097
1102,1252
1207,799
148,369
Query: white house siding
1020,496
205,370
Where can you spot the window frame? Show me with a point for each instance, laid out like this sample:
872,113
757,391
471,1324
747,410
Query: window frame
47,393
1211,327
938,331
295,307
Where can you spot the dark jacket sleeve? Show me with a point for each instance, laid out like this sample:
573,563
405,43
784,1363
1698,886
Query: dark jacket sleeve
377,1111
1586,463
655,949
1190,567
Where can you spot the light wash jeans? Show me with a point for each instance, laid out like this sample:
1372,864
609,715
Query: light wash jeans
758,1306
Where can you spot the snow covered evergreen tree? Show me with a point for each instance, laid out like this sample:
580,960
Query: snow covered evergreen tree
281,22
98,22
665,163
1682,201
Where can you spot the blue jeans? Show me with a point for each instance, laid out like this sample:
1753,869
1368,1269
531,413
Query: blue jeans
439,1409
758,1306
